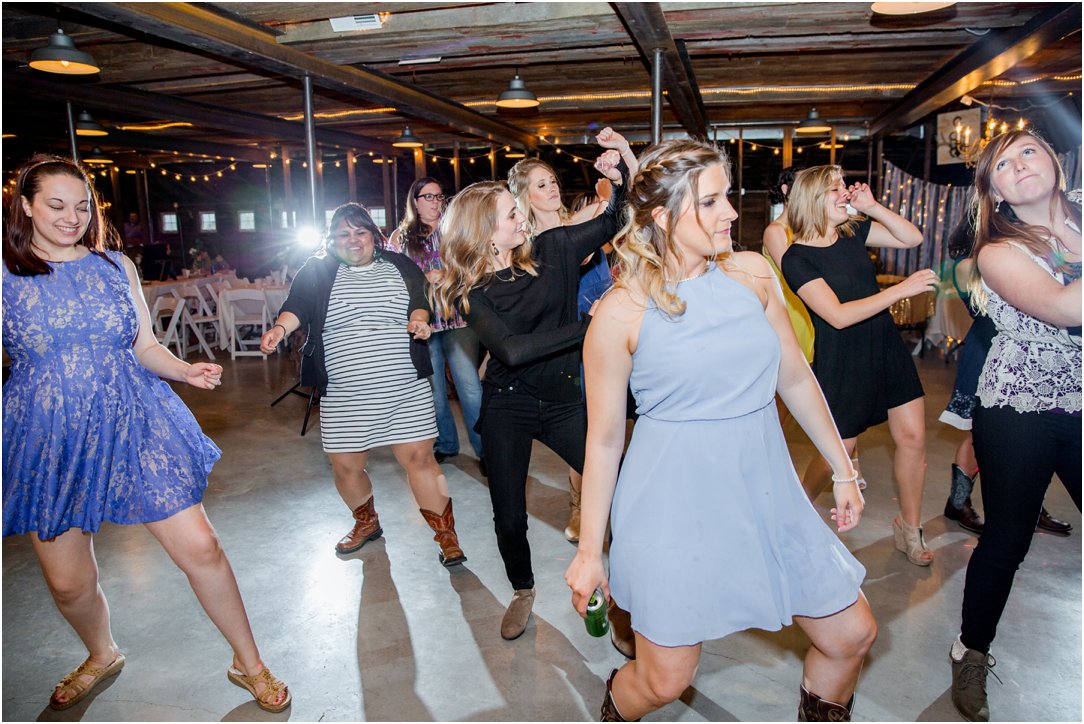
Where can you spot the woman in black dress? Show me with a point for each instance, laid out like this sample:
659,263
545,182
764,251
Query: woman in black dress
859,358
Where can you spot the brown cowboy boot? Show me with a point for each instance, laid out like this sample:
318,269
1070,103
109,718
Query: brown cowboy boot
621,635
444,527
366,528
609,708
572,530
813,708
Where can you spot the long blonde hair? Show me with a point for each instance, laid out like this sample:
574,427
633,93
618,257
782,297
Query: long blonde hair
520,187
465,233
668,178
996,222
806,213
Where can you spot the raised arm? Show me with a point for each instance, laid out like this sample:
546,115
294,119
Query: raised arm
889,229
607,360
514,350
579,241
1021,282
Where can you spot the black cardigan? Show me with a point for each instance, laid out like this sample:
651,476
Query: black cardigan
310,294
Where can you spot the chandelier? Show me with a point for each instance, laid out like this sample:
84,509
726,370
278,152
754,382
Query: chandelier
966,144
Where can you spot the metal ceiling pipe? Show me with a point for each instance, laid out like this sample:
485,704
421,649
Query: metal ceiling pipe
310,152
656,96
71,132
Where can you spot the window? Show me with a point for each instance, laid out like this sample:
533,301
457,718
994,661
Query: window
289,218
207,221
246,221
328,213
379,217
169,223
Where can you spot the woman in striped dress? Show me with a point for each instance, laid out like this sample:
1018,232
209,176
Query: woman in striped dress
367,322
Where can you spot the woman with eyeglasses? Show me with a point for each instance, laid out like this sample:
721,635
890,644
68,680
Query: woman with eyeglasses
453,342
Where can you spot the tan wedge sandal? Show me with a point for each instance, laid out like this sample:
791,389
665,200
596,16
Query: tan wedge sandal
80,689
272,690
911,542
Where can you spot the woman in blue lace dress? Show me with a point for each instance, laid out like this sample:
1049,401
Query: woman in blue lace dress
92,435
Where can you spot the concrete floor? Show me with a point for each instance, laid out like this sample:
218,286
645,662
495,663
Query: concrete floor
388,634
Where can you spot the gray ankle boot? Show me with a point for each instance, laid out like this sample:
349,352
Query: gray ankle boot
958,506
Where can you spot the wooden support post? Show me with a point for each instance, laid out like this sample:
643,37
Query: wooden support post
741,190
455,164
832,147
288,189
788,146
351,178
385,174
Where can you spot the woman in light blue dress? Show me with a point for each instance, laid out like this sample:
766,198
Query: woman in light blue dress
712,533
92,435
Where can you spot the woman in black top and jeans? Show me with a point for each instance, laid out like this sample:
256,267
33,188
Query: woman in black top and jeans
519,295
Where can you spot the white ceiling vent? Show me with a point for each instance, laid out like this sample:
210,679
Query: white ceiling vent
374,21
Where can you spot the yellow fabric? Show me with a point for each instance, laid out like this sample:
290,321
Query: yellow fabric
799,315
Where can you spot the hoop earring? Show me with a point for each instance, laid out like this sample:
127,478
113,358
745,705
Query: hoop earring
997,207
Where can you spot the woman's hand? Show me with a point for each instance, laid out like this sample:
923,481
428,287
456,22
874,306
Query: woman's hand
433,276
849,505
606,164
861,198
203,375
272,338
419,329
609,138
921,281
583,576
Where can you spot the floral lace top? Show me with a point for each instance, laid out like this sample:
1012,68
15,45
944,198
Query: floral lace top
1033,366
429,261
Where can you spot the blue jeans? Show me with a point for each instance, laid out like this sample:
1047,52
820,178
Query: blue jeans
463,352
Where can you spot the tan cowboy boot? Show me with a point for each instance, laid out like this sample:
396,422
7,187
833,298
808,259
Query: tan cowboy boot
366,528
444,527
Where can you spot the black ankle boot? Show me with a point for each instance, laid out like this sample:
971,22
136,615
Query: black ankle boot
813,708
1052,525
958,506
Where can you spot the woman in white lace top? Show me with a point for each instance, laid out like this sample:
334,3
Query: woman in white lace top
1027,426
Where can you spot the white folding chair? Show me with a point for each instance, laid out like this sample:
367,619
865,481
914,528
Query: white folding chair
171,308
248,309
199,319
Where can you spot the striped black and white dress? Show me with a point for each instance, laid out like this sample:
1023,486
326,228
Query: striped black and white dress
374,396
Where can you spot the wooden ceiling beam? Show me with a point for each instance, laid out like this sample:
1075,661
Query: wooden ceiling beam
984,60
209,32
156,106
646,25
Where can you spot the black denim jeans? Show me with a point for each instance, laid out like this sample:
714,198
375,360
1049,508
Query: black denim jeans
1018,453
512,421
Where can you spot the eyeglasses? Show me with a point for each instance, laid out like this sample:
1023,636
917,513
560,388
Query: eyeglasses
430,197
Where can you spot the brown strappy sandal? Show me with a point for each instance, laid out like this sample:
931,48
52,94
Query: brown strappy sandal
80,689
273,688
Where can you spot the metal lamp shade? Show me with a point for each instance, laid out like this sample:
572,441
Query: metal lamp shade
407,140
87,126
517,95
813,124
61,56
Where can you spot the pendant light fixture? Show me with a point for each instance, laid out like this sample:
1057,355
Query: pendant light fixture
87,126
96,155
517,95
407,139
61,56
813,124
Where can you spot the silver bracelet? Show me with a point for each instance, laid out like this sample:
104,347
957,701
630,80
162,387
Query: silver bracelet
853,478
